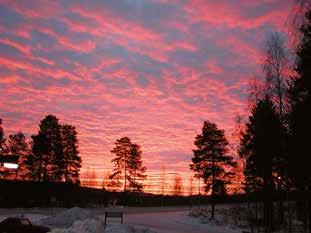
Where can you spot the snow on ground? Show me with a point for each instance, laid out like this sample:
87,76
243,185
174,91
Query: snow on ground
66,218
35,218
77,220
95,226
234,217
176,222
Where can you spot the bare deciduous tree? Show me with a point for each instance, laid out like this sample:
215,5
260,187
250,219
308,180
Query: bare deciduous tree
275,66
255,91
178,186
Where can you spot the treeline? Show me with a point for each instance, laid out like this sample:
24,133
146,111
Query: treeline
46,194
51,155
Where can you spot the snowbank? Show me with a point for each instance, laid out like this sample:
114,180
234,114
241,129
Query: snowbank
67,218
234,217
121,228
77,220
97,226
83,226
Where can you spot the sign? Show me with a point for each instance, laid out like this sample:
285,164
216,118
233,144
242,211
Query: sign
9,161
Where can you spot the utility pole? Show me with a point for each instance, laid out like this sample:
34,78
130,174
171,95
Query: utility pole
125,161
163,185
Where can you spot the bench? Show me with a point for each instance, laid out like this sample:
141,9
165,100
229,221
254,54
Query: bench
113,215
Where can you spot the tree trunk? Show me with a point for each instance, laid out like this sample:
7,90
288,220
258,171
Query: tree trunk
66,169
213,208
125,176
268,205
280,203
213,186
45,171
309,209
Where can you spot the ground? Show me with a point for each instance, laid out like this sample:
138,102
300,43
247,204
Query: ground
136,220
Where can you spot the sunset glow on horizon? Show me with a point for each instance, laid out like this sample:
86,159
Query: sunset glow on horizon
150,70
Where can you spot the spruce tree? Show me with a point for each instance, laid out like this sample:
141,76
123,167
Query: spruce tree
300,99
300,115
261,146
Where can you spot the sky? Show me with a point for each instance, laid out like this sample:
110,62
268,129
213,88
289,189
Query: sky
152,70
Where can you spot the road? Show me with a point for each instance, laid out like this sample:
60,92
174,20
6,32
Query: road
165,222
99,211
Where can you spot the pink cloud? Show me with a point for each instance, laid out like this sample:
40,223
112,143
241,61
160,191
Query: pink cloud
112,75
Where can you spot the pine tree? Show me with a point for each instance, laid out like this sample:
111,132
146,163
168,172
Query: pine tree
210,160
19,146
122,151
38,158
72,160
136,169
54,167
46,162
128,166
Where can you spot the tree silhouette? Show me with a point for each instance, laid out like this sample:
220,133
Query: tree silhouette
19,146
275,67
261,146
163,183
128,165
46,162
39,158
1,136
136,169
178,186
4,150
55,168
3,146
299,120
72,160
300,96
90,178
210,160
122,151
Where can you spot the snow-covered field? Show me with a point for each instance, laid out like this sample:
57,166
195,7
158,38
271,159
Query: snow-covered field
161,220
